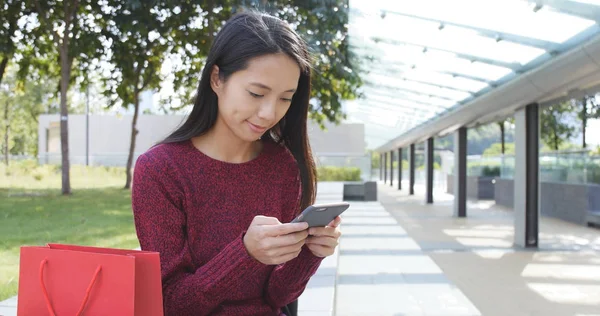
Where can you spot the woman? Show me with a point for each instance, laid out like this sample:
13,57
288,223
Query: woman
215,198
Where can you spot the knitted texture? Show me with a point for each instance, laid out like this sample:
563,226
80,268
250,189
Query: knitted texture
194,211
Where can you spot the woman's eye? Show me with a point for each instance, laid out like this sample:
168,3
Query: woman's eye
254,94
286,100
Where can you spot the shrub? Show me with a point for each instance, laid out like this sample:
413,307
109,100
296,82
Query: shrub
490,171
329,173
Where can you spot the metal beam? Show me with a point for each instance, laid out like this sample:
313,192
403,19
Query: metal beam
429,151
408,96
387,86
391,168
472,58
578,9
411,170
401,102
399,168
526,190
391,72
372,62
496,35
460,173
415,113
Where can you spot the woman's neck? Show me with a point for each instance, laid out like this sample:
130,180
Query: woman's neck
222,144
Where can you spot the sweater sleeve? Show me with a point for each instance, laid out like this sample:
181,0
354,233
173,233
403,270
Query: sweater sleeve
160,220
288,280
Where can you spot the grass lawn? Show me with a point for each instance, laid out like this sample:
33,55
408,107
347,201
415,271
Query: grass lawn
33,212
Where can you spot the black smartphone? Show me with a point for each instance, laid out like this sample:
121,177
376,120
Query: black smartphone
319,215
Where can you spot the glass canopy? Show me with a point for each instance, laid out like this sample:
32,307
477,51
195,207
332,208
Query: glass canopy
419,58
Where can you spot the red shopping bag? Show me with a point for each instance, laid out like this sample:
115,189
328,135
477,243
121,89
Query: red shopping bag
68,280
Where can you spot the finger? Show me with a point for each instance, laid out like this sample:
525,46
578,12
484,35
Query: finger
284,229
288,239
283,251
265,220
335,222
327,242
320,251
323,231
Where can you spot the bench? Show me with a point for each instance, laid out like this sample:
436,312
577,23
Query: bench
360,191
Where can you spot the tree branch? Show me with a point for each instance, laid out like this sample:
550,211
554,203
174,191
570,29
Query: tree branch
44,18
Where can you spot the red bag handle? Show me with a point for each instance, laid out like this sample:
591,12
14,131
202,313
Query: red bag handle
87,292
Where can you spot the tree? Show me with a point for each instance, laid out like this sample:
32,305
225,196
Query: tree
139,32
502,147
21,105
498,149
10,13
74,28
589,108
323,24
502,125
555,126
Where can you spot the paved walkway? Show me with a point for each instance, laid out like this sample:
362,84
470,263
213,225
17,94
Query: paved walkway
383,271
476,253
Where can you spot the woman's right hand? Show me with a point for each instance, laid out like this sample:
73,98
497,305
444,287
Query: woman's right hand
271,242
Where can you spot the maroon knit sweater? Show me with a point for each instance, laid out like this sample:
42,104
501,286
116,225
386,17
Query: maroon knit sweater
194,211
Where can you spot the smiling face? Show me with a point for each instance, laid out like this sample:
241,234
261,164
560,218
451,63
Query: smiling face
253,100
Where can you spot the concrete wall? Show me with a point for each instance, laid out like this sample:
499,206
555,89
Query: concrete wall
109,138
566,201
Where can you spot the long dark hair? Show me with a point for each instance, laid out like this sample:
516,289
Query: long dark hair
245,36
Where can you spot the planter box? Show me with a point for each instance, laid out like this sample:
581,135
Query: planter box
566,201
478,188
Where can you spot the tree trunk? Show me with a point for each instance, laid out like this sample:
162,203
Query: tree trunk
6,132
134,132
555,139
502,136
65,71
3,64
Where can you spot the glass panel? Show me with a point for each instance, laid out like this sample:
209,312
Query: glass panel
417,87
411,100
508,16
595,2
450,38
388,54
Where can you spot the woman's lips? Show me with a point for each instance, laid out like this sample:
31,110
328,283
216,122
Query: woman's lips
256,128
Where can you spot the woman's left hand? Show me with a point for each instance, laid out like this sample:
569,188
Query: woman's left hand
323,240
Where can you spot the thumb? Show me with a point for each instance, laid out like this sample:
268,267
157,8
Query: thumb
335,222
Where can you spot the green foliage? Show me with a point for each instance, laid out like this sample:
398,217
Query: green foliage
587,108
405,165
490,171
483,137
139,36
375,159
496,149
330,173
25,101
323,24
436,166
21,174
555,126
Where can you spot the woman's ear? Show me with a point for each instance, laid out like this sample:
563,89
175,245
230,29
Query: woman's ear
215,81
